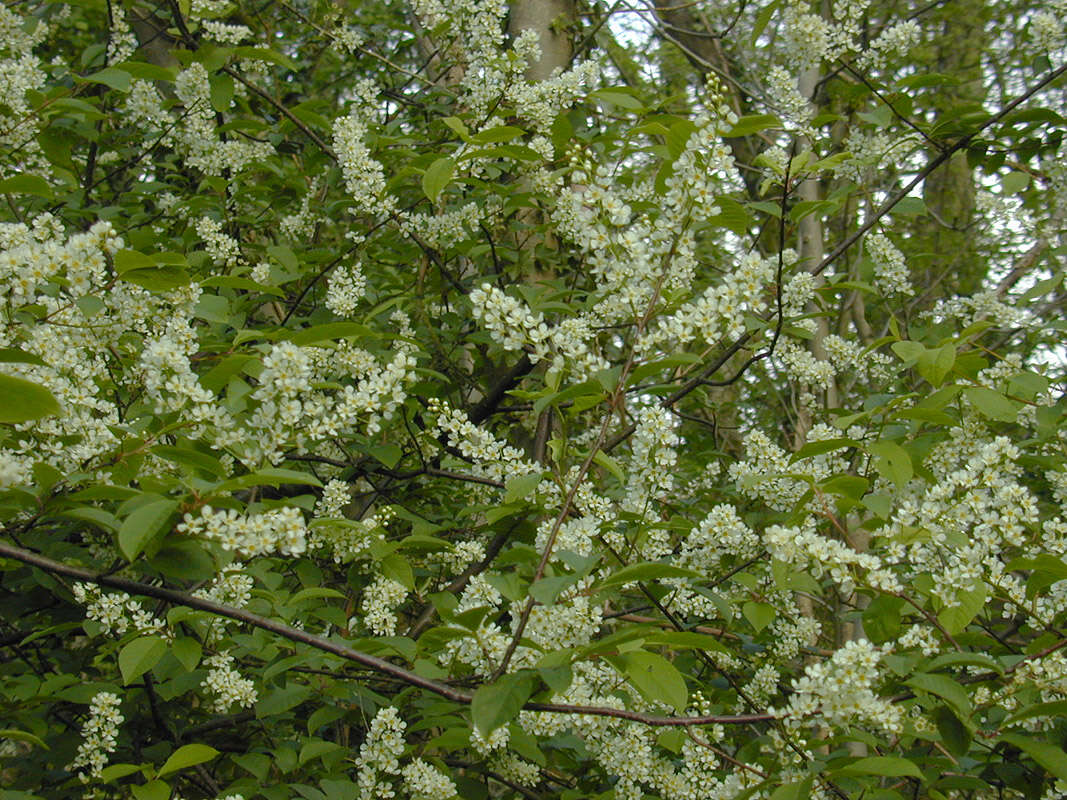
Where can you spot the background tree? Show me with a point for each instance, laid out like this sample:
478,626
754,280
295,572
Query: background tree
556,400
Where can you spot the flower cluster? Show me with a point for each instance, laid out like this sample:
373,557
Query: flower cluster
281,530
116,613
806,548
100,733
890,272
839,691
379,605
345,289
515,326
492,458
363,175
226,683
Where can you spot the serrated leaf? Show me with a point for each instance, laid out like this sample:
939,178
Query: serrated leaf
521,487
188,755
908,352
892,461
188,651
116,79
328,332
882,765
22,736
945,688
1049,756
139,656
955,735
143,525
610,464
991,404
437,177
26,184
935,364
316,748
793,791
644,572
496,704
969,604
12,355
656,678
269,476
495,135
23,401
115,771
389,454
759,615
824,446
153,790
618,97
1055,710
753,123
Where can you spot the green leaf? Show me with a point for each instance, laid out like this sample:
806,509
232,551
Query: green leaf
908,352
851,486
188,755
188,651
148,72
26,184
22,736
892,461
281,700
1056,710
1049,756
317,748
115,78
991,404
521,487
793,791
269,476
645,572
143,525
266,54
824,446
656,678
610,464
955,619
753,123
498,703
759,615
945,688
389,454
153,790
882,765
620,97
159,279
328,332
1014,182
116,771
934,365
190,458
437,177
22,400
222,89
139,656
12,355
458,127
955,735
952,659
501,133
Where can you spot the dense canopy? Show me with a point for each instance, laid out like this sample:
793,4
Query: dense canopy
555,399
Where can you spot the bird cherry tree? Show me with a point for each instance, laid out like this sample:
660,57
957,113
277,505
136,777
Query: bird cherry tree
556,400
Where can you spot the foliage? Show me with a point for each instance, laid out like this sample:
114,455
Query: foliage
655,402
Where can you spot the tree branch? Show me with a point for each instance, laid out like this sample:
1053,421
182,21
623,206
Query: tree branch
347,653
